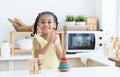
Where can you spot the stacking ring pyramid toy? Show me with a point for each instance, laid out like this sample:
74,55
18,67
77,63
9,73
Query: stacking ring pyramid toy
64,65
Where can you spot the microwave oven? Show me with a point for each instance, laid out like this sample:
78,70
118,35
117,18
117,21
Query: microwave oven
83,41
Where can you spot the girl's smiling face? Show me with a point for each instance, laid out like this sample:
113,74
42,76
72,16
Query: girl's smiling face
46,23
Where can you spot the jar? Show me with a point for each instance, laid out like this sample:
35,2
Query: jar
5,49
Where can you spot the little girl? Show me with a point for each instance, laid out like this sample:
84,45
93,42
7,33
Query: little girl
46,41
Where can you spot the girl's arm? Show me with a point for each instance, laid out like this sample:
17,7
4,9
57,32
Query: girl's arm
58,46
37,48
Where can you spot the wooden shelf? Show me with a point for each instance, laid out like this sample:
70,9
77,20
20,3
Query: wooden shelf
91,25
21,32
75,28
23,50
13,49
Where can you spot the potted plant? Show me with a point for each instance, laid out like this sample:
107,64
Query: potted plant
70,20
80,20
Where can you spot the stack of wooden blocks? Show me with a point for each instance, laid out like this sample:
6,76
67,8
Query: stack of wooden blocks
35,65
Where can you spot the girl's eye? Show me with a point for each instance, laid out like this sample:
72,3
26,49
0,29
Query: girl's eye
43,22
49,22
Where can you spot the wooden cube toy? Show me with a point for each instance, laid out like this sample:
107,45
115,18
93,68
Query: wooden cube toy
34,66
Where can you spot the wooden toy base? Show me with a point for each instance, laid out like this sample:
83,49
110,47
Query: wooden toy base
64,69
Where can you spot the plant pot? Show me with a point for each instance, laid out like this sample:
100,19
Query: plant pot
70,23
80,23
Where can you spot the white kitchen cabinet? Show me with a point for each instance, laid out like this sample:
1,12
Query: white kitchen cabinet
4,65
92,63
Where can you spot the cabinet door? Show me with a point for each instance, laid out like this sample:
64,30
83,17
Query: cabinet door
92,63
21,65
4,65
75,62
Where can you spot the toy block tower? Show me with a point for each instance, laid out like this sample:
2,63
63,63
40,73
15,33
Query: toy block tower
33,66
64,66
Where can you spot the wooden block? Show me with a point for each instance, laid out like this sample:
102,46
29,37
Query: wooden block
31,66
36,68
36,64
32,70
39,62
39,67
36,72
40,59
40,71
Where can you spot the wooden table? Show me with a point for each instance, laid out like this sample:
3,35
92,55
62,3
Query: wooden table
73,72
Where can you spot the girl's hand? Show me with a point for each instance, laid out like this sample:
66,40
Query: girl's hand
52,36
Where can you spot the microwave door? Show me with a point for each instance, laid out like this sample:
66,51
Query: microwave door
81,41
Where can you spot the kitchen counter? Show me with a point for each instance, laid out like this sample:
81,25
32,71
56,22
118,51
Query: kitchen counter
73,72
16,57
13,62
97,56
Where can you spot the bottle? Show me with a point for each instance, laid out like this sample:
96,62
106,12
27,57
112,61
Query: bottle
5,49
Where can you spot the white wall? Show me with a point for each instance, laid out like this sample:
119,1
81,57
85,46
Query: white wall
109,17
99,12
107,12
118,3
27,10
